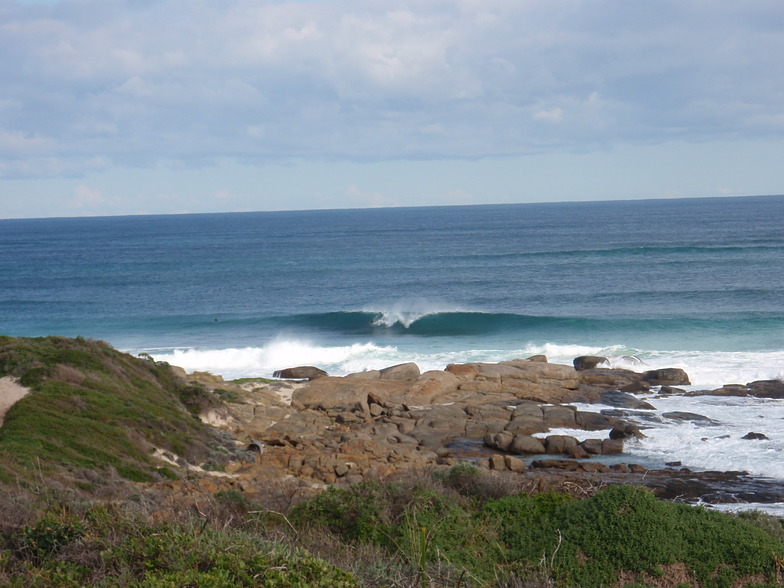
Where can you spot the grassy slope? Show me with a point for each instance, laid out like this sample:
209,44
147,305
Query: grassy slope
94,410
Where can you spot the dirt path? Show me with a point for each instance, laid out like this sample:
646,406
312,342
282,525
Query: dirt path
10,393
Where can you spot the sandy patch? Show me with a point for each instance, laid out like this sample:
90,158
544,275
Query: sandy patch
283,389
10,393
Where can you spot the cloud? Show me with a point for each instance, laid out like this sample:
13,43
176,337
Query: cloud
365,198
135,83
554,115
86,197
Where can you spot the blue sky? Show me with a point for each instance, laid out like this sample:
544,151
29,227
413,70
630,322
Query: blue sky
164,106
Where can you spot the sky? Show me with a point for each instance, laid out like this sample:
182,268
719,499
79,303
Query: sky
112,107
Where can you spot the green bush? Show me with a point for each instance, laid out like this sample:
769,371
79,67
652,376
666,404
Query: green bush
106,547
520,538
353,513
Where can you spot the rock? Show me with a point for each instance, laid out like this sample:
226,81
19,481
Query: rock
592,446
671,390
689,416
609,378
591,421
626,431
577,452
462,371
588,362
403,371
752,435
497,462
766,388
559,415
528,408
305,372
526,425
366,375
519,378
433,387
556,464
666,377
500,441
539,358
522,444
514,464
598,468
336,397
559,444
621,400
639,387
612,446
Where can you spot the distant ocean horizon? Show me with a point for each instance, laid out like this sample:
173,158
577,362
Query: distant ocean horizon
690,283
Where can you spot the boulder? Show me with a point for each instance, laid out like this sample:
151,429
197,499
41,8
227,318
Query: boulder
522,444
525,425
612,446
626,431
638,387
755,436
500,441
588,362
559,415
558,444
591,421
623,400
514,464
366,375
689,416
592,446
671,390
403,371
666,377
609,378
766,388
304,372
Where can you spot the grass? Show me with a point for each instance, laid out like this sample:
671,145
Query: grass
547,539
95,408
109,546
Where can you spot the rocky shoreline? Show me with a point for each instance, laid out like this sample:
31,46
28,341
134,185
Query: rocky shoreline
316,430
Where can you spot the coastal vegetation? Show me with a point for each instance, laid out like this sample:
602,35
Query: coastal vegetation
96,415
87,458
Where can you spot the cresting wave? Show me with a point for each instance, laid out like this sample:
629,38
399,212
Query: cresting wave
460,323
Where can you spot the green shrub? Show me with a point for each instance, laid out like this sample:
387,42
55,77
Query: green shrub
587,542
47,536
353,514
106,547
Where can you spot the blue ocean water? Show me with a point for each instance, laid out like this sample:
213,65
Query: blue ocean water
695,283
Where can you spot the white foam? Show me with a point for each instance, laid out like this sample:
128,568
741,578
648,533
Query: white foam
407,312
263,361
717,445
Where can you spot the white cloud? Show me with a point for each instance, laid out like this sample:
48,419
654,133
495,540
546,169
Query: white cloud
368,198
195,81
554,115
86,197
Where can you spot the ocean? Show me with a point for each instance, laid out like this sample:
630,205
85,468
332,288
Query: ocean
690,283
